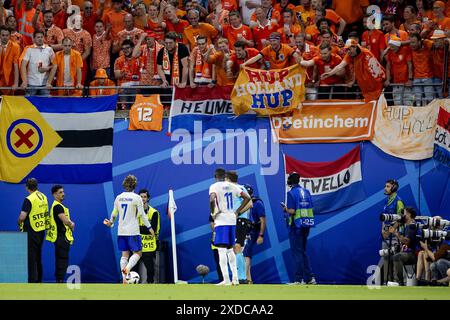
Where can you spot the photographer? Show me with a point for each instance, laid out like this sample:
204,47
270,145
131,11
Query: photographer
441,258
428,249
408,241
390,244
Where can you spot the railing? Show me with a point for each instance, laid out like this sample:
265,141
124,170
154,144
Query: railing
394,94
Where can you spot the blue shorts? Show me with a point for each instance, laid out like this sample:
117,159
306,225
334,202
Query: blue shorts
225,236
251,243
129,243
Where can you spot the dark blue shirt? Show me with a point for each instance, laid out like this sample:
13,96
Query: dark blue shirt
256,213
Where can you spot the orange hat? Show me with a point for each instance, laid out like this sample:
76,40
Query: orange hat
150,34
351,43
439,4
101,74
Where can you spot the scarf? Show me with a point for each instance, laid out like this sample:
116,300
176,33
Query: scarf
145,54
176,66
203,70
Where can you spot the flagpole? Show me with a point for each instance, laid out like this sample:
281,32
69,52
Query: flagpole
171,209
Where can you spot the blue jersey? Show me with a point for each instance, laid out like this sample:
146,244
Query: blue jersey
300,200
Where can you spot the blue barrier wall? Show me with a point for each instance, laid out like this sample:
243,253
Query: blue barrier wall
342,245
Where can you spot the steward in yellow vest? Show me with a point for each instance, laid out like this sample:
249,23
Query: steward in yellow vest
59,231
149,243
32,221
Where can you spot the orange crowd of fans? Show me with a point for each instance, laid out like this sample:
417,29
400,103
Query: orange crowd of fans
80,44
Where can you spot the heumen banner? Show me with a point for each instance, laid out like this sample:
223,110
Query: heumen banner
211,106
269,92
326,121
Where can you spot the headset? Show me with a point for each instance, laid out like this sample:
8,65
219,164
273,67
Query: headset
291,178
394,185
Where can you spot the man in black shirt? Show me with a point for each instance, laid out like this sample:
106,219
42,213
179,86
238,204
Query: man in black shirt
409,244
173,62
59,231
32,221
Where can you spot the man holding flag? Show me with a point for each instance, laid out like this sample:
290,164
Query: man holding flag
369,73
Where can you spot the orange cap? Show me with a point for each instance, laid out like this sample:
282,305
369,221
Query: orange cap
101,74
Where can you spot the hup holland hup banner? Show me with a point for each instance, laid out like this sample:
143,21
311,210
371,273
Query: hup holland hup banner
56,140
269,92
406,132
442,137
210,106
333,185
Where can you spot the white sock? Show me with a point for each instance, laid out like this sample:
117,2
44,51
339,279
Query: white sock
123,262
223,264
233,265
132,262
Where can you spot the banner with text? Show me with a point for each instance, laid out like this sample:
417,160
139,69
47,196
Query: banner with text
406,132
326,121
442,137
333,185
269,92
211,106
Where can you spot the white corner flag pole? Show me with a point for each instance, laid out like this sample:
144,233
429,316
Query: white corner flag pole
172,207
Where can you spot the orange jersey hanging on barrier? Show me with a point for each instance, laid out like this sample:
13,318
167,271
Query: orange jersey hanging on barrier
146,113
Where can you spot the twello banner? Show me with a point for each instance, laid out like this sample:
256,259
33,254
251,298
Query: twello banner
442,136
406,132
333,185
326,121
268,92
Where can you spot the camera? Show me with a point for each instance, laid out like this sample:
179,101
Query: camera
435,234
386,217
389,251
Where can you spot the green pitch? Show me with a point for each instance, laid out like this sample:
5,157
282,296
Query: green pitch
212,292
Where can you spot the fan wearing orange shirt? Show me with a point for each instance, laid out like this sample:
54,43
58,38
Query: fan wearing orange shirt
307,51
399,70
59,14
325,63
219,59
388,23
81,41
263,29
236,31
304,12
369,73
9,60
101,80
423,70
66,65
276,55
440,21
53,34
174,23
438,56
201,72
270,13
218,15
240,55
196,29
11,24
373,39
114,18
330,15
24,13
155,22
352,11
290,29
130,32
282,7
